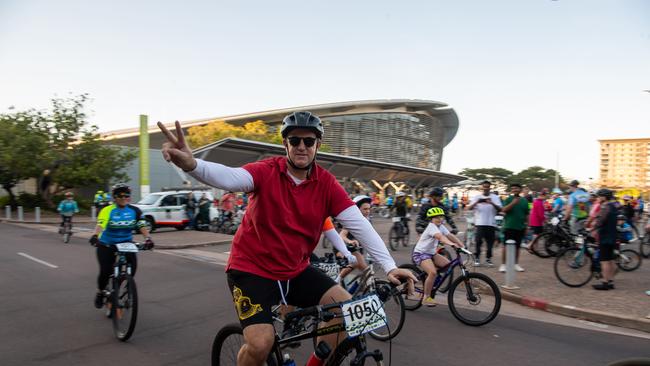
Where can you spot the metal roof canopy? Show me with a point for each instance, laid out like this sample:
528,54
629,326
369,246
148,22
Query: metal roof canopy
237,152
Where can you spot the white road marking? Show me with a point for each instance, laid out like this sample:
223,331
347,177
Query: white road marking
37,260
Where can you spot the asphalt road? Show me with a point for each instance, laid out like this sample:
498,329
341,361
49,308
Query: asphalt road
48,318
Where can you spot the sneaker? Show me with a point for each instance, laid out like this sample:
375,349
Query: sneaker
429,301
99,300
477,263
489,263
502,268
519,268
601,286
647,292
610,284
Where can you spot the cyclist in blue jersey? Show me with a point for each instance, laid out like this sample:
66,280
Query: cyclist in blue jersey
115,224
67,208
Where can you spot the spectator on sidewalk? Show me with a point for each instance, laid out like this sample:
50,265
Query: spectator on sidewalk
537,215
515,223
640,207
486,206
607,232
190,209
203,216
227,205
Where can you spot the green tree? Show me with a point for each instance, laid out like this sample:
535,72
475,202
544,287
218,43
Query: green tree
536,178
58,147
23,149
495,175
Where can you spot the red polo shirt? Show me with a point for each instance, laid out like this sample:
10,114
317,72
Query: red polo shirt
283,221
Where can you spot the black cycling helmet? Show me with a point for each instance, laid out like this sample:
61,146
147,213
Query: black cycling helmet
574,183
302,120
621,217
120,188
604,192
437,192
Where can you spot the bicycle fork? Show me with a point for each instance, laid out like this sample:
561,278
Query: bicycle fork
376,355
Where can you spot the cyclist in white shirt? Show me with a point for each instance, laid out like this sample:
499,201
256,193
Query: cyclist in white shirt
424,254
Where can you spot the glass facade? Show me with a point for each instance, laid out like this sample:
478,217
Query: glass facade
400,138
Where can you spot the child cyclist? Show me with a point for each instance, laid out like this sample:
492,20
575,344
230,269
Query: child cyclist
424,254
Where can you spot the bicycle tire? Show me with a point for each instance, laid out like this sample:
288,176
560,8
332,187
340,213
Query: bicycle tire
576,262
235,330
414,303
393,307
538,245
644,246
393,238
633,261
479,285
345,350
555,244
124,302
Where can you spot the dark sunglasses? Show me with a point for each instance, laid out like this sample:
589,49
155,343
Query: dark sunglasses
295,141
123,196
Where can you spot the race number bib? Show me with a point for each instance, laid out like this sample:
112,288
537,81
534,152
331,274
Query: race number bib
397,219
363,315
330,269
126,247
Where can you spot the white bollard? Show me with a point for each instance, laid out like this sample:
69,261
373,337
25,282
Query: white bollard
93,212
8,212
511,247
20,213
37,214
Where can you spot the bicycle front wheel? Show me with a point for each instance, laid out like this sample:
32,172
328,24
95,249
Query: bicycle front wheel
395,314
628,260
346,352
474,299
124,308
227,343
415,301
573,267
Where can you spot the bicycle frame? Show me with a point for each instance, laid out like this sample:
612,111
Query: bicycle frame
440,278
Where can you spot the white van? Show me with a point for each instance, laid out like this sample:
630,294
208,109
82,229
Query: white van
167,209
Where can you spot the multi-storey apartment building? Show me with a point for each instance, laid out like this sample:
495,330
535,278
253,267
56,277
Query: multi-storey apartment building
625,163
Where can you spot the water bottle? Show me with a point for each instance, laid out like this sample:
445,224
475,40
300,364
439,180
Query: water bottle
354,287
288,361
320,354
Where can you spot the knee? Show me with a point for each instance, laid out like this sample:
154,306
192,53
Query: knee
259,347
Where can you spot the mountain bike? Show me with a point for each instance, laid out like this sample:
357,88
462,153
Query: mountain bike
121,296
399,233
365,282
576,266
66,230
473,298
360,315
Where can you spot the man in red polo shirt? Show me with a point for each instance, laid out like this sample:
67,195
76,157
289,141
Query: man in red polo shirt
290,198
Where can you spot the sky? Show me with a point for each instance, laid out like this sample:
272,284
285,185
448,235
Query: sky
530,80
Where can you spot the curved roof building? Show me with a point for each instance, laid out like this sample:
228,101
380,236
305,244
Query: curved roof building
401,131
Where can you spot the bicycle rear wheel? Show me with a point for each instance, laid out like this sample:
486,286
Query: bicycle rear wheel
644,246
393,238
394,309
573,267
474,299
227,343
538,246
555,244
414,302
628,260
124,308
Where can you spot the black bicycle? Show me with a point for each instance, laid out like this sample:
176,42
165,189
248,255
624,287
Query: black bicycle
121,296
360,316
399,233
473,298
66,230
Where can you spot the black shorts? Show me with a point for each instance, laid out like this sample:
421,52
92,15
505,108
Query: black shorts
537,229
254,295
607,251
513,234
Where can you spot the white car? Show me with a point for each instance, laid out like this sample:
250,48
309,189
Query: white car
167,209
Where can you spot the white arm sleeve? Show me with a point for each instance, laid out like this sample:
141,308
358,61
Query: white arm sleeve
338,243
352,219
223,177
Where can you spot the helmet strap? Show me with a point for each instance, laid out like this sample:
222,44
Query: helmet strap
293,165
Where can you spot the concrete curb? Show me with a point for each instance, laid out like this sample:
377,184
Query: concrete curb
579,313
186,246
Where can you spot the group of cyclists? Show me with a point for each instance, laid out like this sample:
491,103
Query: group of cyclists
291,201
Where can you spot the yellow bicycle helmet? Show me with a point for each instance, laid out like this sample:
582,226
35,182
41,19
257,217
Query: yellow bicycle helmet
435,211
